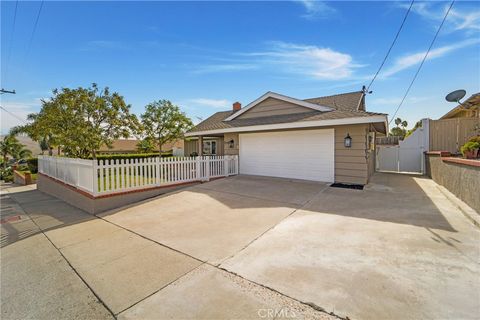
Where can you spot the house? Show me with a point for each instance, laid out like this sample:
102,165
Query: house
470,108
281,136
130,146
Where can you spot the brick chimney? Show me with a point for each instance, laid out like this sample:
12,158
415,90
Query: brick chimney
237,106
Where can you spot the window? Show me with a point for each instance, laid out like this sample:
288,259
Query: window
209,147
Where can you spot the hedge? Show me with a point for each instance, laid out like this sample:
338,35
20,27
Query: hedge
32,164
121,156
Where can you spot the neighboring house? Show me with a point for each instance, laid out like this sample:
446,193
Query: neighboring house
130,146
281,136
456,127
470,108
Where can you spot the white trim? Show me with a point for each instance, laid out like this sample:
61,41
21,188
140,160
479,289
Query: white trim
293,125
274,95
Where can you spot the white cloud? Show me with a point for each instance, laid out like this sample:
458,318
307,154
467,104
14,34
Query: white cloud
313,61
213,103
214,68
458,19
316,9
410,60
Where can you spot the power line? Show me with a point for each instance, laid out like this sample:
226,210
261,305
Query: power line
391,46
13,115
423,61
11,37
33,31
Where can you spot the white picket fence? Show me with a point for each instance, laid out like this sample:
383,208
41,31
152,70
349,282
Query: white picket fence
112,176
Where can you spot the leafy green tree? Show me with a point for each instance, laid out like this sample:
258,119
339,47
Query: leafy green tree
10,146
417,125
43,144
80,121
164,122
146,145
401,128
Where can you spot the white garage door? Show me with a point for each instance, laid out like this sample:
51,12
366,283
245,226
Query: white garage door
305,154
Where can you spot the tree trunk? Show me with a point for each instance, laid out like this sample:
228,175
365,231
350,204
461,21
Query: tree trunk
50,151
94,154
160,149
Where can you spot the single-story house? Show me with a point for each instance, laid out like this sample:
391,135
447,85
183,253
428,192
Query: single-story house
281,136
470,108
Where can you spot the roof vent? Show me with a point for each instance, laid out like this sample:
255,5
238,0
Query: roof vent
237,106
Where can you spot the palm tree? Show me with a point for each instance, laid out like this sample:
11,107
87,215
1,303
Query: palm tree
10,146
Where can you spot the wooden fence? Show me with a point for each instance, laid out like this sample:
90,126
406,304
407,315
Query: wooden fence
113,176
450,134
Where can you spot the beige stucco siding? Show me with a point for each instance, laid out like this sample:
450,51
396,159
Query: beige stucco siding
351,163
272,107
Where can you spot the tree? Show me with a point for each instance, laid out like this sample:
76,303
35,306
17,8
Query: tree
146,145
417,125
10,146
164,122
80,121
44,146
400,129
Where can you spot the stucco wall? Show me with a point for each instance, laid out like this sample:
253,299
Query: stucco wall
462,180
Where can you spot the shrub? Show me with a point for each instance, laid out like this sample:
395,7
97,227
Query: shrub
120,156
6,174
32,164
469,146
474,139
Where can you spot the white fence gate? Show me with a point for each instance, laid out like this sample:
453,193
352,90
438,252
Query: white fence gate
99,177
408,156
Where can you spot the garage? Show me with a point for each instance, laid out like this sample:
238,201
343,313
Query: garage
300,154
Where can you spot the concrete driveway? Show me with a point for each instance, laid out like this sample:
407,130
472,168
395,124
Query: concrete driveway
256,247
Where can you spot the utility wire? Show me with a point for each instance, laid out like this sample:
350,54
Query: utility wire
13,115
33,31
11,37
423,61
391,46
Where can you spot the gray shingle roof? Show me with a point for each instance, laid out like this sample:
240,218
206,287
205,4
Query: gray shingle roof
345,106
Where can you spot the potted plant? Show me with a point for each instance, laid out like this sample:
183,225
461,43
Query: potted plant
470,149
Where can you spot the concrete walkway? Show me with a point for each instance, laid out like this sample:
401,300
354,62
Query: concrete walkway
246,247
61,263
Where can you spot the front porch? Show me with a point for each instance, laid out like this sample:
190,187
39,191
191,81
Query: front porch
212,145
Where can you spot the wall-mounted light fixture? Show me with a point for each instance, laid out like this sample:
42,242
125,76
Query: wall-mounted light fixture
347,142
231,144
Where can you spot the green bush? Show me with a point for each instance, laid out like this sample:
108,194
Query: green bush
474,139
6,174
130,156
469,146
32,164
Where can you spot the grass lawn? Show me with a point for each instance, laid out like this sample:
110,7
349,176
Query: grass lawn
125,179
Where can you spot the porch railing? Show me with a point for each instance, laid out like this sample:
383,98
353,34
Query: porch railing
99,177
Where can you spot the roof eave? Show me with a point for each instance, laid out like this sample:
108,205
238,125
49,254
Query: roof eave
296,125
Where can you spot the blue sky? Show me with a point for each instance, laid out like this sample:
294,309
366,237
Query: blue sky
205,55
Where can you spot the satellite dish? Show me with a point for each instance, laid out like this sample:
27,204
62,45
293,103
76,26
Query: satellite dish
456,96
